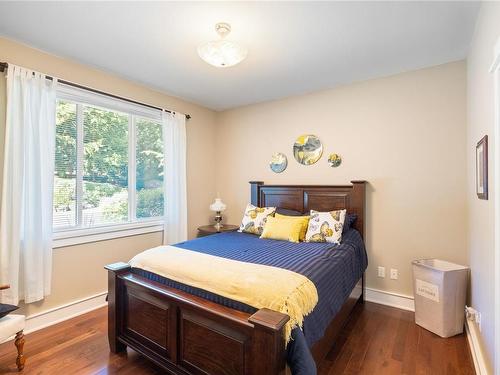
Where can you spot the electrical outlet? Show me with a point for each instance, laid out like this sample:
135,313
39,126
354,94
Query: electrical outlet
381,271
470,313
473,315
394,274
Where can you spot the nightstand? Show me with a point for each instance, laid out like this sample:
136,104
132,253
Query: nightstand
207,230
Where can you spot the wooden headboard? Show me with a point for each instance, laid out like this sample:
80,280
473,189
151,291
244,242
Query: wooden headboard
304,198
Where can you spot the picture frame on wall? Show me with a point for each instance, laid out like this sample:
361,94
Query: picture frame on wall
482,168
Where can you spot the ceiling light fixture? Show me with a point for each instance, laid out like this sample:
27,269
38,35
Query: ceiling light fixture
222,53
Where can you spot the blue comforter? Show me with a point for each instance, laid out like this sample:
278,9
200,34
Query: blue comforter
334,270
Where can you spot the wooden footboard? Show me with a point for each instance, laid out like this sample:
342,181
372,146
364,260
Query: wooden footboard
186,334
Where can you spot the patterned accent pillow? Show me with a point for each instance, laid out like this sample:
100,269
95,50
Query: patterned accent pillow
326,226
255,218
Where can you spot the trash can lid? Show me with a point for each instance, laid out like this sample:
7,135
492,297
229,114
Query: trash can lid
440,265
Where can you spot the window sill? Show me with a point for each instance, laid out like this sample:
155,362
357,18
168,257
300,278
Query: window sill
87,235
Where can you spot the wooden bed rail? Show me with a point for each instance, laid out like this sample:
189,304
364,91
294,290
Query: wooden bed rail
186,334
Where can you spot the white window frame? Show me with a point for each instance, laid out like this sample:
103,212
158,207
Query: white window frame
73,236
495,69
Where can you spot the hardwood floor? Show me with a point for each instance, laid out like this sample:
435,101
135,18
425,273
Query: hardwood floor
385,340
377,340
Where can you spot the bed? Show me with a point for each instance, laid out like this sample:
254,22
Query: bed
189,331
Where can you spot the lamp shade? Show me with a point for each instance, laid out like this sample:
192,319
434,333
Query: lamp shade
222,53
218,205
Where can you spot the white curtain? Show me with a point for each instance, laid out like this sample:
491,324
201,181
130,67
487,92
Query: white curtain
28,175
174,136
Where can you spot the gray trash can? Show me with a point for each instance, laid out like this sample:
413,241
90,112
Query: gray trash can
440,288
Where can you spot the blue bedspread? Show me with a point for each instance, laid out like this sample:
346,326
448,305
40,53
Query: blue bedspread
334,270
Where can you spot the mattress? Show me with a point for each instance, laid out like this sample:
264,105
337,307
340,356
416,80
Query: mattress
334,270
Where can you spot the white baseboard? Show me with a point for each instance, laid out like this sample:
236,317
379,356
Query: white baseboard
382,297
475,349
64,312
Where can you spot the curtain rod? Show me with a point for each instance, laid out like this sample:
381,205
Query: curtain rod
4,66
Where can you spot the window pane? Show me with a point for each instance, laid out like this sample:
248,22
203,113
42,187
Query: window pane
65,166
149,164
105,167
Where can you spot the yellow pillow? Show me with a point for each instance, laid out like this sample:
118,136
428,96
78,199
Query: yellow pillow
303,219
282,229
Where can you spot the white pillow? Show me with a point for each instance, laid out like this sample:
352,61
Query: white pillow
255,218
326,226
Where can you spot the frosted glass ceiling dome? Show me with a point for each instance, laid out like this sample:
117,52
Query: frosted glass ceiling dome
222,53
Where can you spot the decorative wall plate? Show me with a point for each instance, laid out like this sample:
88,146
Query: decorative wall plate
307,149
334,160
278,163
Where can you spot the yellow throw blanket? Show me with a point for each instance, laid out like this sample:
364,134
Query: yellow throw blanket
253,284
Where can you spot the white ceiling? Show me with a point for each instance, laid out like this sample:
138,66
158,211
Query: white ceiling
294,48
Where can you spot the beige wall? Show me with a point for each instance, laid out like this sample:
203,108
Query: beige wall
404,134
480,121
78,270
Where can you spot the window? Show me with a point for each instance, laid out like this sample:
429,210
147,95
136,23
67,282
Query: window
108,162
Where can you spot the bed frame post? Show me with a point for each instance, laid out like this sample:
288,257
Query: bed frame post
114,300
254,192
358,188
358,196
269,352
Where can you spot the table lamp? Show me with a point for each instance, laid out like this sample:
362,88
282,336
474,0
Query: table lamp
218,206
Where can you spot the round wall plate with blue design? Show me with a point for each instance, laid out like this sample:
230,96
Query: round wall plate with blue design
278,163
